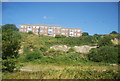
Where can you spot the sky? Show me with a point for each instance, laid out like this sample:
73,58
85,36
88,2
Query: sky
91,17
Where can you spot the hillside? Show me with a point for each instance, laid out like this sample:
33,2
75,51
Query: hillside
39,57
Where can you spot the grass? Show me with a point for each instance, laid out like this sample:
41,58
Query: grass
55,71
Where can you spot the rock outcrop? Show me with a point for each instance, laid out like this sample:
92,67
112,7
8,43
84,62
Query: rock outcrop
84,49
81,49
115,41
60,47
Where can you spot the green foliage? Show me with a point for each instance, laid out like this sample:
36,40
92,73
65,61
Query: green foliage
52,52
10,43
10,46
43,49
9,26
113,32
60,36
9,65
30,32
71,50
105,41
108,54
30,56
85,34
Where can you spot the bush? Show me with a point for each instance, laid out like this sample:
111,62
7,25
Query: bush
108,54
113,32
60,36
30,32
71,50
85,34
105,41
9,65
30,56
10,45
43,49
53,52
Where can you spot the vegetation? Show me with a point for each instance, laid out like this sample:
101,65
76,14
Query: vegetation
107,54
30,32
85,34
10,47
113,32
57,64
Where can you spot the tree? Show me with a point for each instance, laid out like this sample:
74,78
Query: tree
30,32
10,47
85,34
113,32
10,26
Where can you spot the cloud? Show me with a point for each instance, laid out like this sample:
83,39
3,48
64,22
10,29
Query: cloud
45,17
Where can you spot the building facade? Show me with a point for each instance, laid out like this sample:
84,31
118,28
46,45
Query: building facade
51,30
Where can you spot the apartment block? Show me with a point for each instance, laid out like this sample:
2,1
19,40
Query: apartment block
50,30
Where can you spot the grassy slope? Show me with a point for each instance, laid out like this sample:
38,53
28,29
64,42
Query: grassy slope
60,66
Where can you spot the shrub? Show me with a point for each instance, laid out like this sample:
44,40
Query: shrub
53,52
105,41
33,55
85,34
9,65
113,32
71,50
10,26
10,43
30,32
108,54
60,36
10,46
43,49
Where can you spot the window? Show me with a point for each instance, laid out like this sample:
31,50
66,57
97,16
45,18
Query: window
58,32
45,27
75,30
78,34
49,32
66,29
41,30
36,30
42,27
58,27
33,26
37,26
78,30
50,27
71,30
22,26
29,27
63,33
